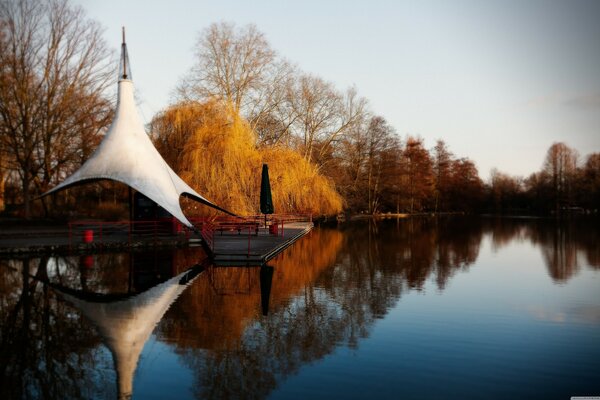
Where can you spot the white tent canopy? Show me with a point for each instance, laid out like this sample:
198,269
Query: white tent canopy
127,155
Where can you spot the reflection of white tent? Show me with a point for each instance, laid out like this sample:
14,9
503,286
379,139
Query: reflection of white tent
127,155
125,325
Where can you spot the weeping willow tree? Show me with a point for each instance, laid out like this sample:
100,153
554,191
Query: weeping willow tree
214,150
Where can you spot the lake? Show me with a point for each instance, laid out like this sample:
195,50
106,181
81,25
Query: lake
421,308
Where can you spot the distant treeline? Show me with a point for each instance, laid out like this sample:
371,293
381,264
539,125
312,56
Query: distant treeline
563,185
240,105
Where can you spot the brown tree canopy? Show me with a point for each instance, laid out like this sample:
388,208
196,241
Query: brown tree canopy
54,70
442,163
560,166
240,105
417,174
590,186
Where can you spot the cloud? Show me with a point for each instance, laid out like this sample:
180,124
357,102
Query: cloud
588,101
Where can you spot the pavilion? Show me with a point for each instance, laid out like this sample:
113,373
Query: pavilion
126,154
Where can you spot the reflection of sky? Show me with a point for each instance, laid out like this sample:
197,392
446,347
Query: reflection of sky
503,327
160,373
500,326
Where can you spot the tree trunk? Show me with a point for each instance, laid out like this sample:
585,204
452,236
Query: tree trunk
3,176
26,201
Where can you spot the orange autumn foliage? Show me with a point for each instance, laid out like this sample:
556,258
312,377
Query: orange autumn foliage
224,301
297,185
214,150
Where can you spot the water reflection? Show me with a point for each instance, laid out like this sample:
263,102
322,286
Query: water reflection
242,332
126,324
564,243
45,347
327,291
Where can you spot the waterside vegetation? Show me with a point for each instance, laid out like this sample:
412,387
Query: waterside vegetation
241,104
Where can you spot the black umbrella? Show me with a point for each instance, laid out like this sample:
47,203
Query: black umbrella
266,201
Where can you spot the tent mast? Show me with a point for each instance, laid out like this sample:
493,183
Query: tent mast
124,55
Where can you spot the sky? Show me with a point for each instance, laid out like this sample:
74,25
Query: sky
498,81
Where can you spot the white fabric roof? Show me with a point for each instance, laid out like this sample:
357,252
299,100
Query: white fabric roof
127,155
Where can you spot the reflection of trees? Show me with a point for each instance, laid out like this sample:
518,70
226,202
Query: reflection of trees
47,349
457,247
379,261
503,231
415,249
218,307
44,347
375,265
219,329
327,290
559,252
562,241
121,273
125,324
588,237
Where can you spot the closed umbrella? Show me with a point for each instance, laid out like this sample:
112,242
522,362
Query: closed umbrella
266,200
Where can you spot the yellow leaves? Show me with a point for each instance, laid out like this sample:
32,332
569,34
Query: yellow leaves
219,159
222,324
297,185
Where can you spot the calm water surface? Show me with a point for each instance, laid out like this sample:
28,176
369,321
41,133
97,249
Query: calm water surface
414,308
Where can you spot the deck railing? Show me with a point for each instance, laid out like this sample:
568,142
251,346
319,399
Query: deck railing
104,232
153,231
212,228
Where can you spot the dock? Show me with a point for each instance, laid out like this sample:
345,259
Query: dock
26,241
255,249
225,247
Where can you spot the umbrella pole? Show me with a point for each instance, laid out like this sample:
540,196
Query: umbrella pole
265,220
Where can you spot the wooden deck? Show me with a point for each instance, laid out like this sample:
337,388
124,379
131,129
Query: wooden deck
235,249
228,247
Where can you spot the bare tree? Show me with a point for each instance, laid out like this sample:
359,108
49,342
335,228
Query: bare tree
561,165
590,190
352,158
54,69
3,176
442,159
353,111
418,174
378,166
316,105
322,114
505,189
237,65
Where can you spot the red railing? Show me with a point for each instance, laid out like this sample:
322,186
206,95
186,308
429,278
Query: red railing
125,231
207,232
212,228
156,230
